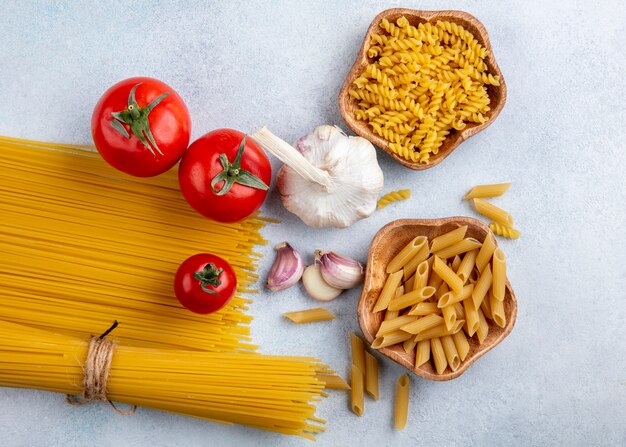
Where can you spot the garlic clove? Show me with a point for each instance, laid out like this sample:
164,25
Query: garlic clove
316,286
287,268
339,271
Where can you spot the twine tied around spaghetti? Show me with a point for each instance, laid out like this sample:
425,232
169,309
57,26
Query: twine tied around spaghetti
96,372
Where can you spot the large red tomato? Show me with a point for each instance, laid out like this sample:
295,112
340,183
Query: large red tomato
204,283
225,175
141,126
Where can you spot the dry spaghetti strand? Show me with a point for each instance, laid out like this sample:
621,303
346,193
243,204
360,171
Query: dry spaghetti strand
81,243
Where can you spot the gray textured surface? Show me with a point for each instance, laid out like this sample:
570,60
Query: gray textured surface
559,379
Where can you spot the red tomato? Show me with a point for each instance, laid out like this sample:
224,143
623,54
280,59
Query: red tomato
224,175
141,126
204,283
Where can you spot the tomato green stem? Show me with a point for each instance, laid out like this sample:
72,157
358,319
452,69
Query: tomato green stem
137,118
233,173
209,276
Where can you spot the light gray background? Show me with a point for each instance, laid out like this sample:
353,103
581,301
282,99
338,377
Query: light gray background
559,379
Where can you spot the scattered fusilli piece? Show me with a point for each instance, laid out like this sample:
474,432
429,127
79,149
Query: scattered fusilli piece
503,230
393,196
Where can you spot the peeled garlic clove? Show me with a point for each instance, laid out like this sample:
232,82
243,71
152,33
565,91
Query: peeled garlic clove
316,286
339,271
287,268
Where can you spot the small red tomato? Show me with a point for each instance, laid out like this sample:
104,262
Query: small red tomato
224,175
141,126
204,283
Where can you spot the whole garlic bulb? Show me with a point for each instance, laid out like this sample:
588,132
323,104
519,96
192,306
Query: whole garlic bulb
330,180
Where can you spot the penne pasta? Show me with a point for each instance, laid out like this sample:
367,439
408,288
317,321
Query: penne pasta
423,309
358,351
481,287
497,310
484,191
392,338
357,391
471,317
456,262
434,280
483,327
438,354
388,326
411,298
439,331
485,306
405,255
409,345
499,274
421,275
389,289
449,316
461,343
420,325
420,256
447,239
422,353
460,312
449,298
486,252
309,315
452,356
408,284
371,375
333,382
448,275
467,265
493,212
460,247
391,314
402,402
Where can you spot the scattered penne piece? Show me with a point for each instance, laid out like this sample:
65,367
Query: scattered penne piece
485,191
309,315
402,402
371,375
357,391
493,212
333,382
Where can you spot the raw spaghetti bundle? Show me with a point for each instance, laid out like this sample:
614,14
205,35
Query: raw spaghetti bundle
268,392
81,243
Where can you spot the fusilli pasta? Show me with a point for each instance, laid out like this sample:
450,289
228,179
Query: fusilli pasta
504,231
393,196
423,83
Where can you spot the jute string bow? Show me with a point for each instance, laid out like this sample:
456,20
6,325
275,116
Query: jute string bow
96,372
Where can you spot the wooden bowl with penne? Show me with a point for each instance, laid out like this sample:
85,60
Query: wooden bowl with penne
406,136
436,297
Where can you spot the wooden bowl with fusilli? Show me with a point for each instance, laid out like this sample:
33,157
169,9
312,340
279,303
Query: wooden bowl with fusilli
423,82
